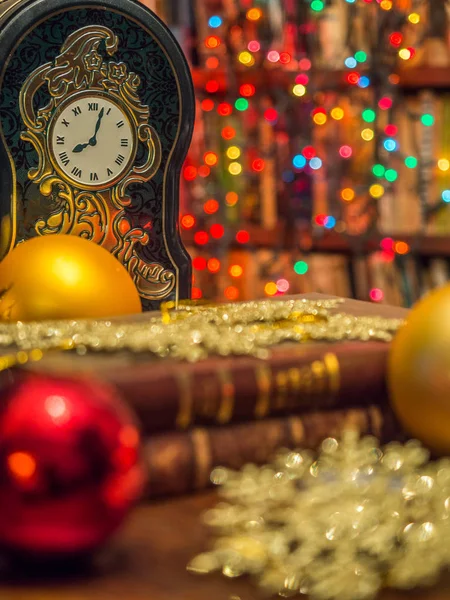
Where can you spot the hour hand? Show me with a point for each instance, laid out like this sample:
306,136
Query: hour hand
80,147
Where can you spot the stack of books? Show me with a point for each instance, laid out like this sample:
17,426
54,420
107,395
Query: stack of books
230,411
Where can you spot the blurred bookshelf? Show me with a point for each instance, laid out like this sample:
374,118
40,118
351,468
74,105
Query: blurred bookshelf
321,154
415,78
280,238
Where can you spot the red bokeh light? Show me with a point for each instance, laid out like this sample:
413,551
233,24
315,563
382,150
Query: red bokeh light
231,292
309,152
190,173
212,62
285,58
271,115
258,165
345,151
217,231
391,130
304,64
201,238
388,256
211,206
353,78
207,105
247,90
213,265
224,109
228,133
199,263
188,221
212,86
376,295
385,103
320,219
196,293
396,38
387,244
212,41
302,79
204,171
243,236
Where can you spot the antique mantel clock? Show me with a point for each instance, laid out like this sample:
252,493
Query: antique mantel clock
96,115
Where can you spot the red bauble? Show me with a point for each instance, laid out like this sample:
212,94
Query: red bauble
69,465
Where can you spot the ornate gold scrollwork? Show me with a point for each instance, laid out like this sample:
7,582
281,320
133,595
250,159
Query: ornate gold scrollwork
96,214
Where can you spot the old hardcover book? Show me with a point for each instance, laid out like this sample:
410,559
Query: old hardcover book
220,391
179,463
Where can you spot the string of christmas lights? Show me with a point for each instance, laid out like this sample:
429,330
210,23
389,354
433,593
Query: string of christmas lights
251,82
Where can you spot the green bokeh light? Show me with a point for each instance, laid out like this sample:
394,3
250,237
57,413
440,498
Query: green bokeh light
360,56
378,170
369,115
301,267
317,5
241,104
427,120
391,175
411,162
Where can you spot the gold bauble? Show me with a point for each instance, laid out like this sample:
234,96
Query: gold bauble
64,277
419,371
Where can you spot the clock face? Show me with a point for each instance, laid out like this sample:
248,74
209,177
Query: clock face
92,141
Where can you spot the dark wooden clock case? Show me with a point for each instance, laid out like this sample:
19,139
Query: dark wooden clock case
33,33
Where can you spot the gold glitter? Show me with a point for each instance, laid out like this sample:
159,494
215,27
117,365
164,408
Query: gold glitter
194,332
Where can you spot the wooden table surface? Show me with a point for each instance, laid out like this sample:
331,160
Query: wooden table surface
147,561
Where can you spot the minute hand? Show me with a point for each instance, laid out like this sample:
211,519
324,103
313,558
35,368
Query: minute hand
93,139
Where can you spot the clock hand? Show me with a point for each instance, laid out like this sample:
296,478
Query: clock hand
93,140
80,147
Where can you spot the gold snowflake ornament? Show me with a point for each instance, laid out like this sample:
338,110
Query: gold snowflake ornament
339,525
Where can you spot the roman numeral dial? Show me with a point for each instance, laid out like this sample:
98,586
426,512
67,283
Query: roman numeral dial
92,141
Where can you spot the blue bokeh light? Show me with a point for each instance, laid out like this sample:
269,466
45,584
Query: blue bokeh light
329,222
299,161
215,21
390,144
363,82
288,176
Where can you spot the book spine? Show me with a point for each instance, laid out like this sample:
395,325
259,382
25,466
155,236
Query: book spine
217,392
180,463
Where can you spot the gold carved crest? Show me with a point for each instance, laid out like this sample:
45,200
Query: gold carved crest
97,212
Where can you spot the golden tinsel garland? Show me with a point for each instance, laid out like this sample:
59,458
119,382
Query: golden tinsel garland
193,332
340,525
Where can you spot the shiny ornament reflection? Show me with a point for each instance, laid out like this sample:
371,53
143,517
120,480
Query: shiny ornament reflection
70,465
419,371
64,277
